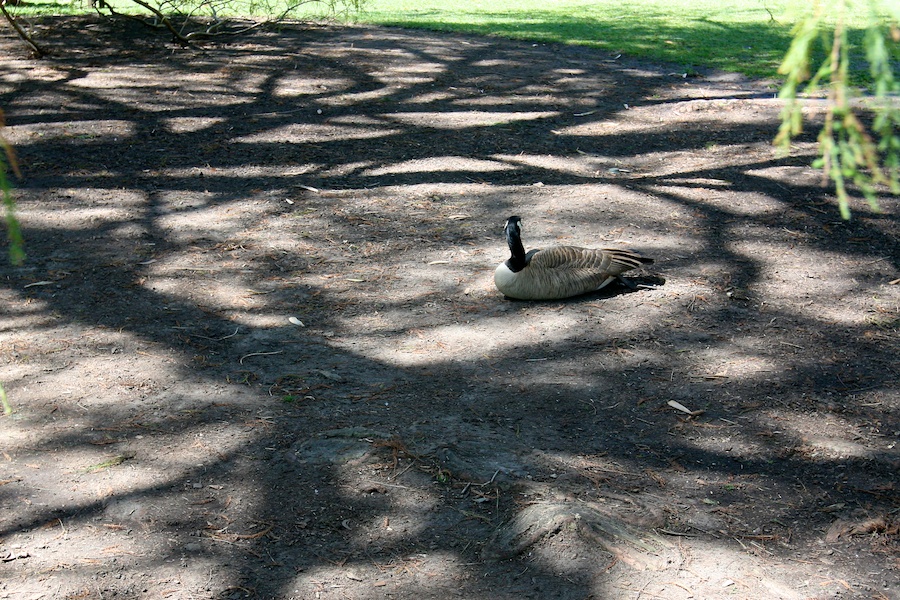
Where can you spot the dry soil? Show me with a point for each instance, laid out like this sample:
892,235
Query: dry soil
256,352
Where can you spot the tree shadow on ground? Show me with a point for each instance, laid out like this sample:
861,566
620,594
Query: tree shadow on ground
417,435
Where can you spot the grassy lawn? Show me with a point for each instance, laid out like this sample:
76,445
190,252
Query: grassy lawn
749,36
746,36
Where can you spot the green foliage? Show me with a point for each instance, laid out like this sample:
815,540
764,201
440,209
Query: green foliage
849,151
13,231
4,403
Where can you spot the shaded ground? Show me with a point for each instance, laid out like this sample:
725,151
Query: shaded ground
256,350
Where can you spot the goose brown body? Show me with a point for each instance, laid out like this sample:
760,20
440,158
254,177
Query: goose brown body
559,271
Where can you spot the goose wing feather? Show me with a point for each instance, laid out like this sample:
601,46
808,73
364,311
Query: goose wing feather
564,271
612,261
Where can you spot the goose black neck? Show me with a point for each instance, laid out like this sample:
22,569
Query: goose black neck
517,261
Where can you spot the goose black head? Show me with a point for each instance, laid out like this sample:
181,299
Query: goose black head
513,230
513,223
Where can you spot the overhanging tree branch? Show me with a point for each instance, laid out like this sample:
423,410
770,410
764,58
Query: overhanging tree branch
848,150
36,50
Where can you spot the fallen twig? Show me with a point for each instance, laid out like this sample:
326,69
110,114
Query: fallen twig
241,361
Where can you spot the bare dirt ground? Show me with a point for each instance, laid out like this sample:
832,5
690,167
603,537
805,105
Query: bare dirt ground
256,351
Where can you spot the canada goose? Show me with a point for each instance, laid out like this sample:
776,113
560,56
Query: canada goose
559,271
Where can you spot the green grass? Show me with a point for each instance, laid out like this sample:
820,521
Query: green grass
745,36
735,35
